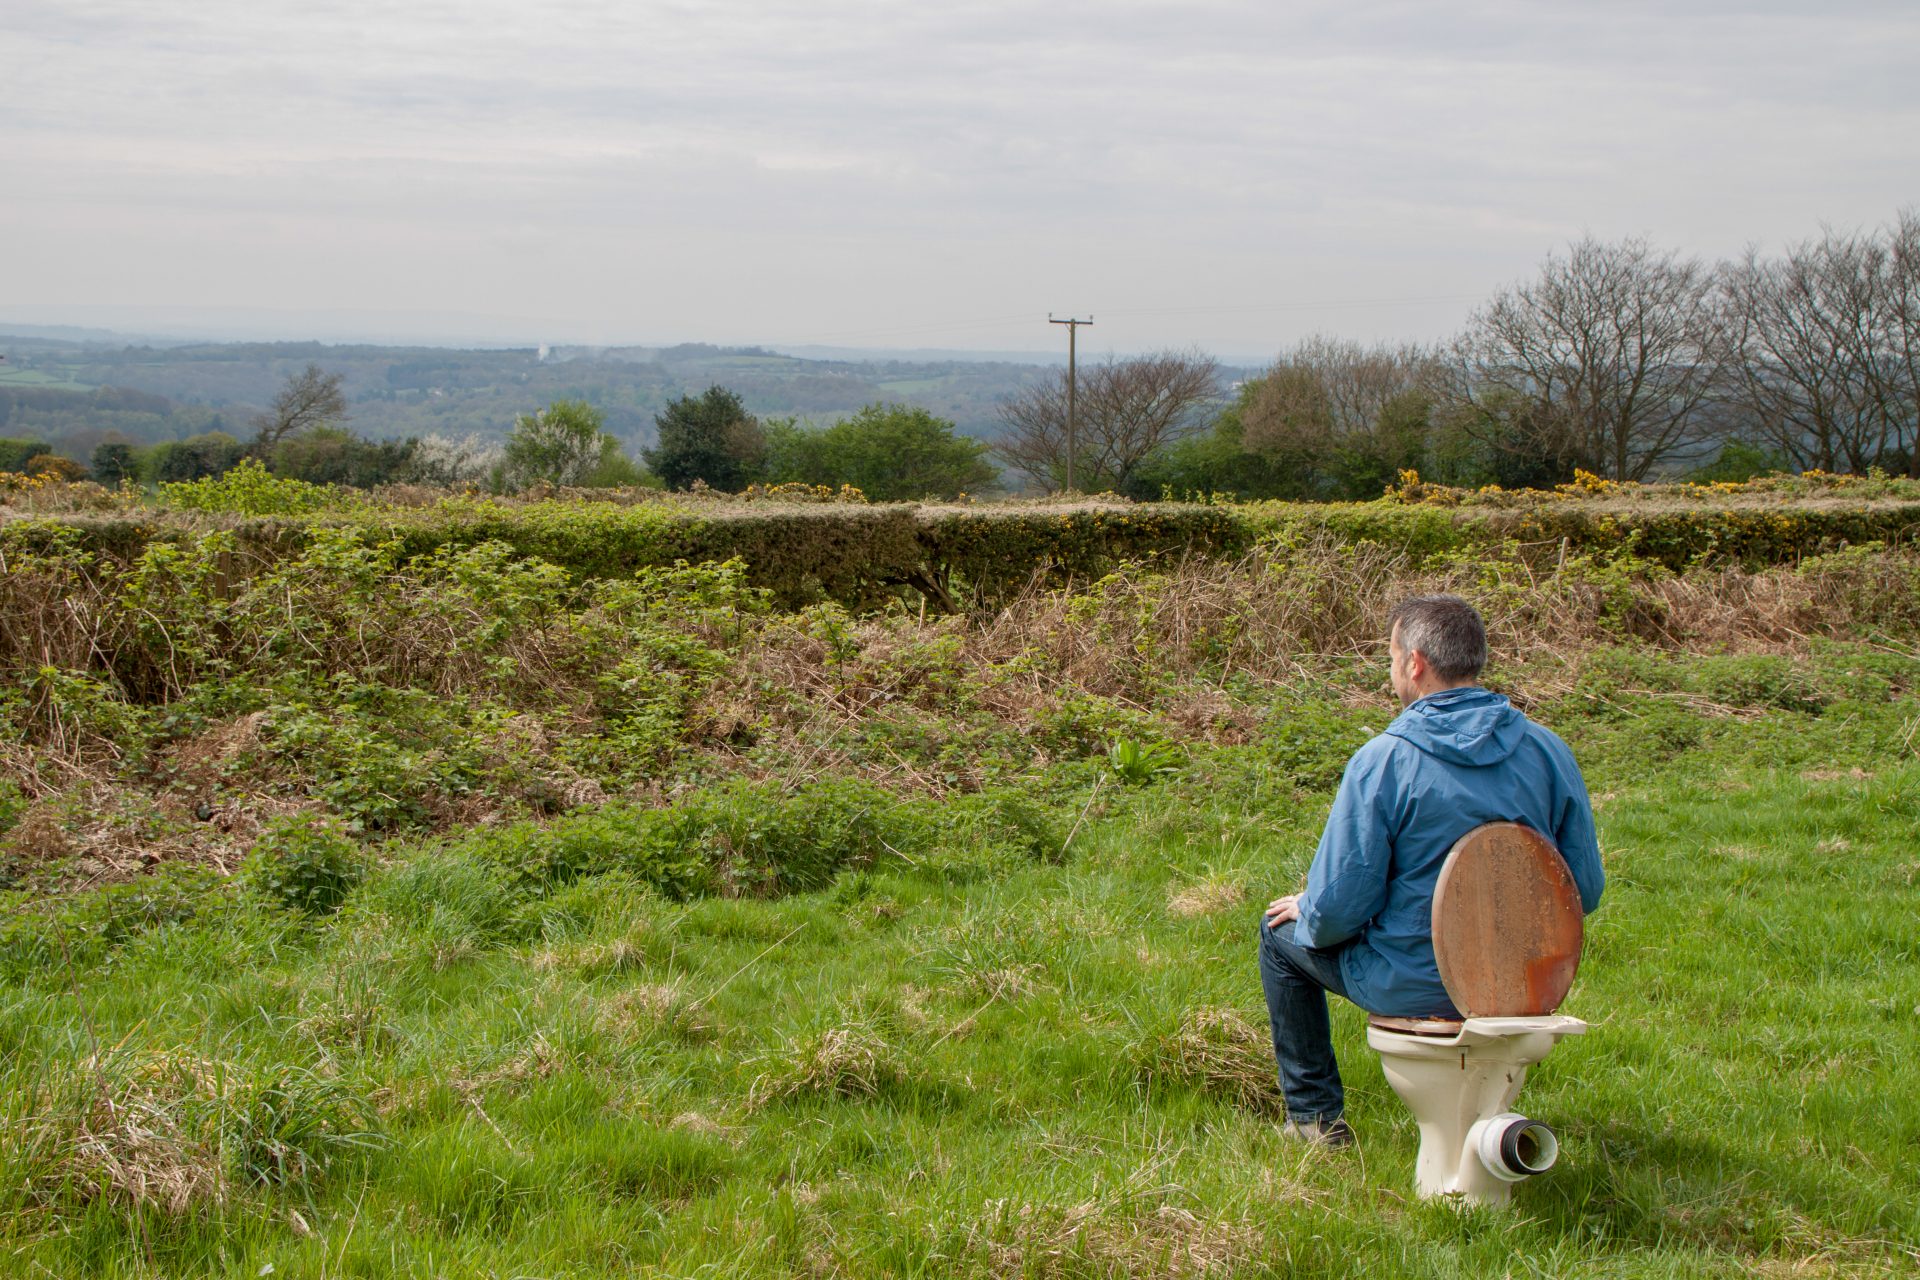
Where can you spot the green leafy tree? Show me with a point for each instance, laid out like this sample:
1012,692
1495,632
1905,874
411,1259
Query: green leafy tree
564,444
334,455
793,453
1740,460
892,453
711,438
16,454
113,461
1216,461
210,453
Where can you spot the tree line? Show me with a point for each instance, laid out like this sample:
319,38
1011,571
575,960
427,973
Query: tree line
890,452
1617,358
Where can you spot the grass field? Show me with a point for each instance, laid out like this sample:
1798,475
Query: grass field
39,380
966,1061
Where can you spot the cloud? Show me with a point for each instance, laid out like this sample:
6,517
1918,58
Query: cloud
842,148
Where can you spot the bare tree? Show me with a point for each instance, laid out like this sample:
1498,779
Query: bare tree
1606,359
1127,409
1332,388
1903,304
311,398
1826,346
1341,413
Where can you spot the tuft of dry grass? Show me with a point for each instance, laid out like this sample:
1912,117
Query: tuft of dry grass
40,835
1100,1240
359,1020
705,1126
629,954
658,1007
849,1061
1219,1052
1207,897
538,1059
135,1141
1011,982
171,1132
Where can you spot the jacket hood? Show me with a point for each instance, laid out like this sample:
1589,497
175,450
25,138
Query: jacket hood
1470,726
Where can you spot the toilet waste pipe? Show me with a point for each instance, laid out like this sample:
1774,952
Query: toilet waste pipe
1513,1147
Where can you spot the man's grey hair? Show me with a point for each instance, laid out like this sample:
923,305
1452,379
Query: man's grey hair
1447,630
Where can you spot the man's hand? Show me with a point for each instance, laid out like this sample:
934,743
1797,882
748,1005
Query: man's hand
1281,910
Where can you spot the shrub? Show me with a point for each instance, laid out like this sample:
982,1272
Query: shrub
304,864
249,489
773,841
194,458
564,444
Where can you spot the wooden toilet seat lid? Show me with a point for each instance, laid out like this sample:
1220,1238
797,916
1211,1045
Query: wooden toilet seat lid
1507,923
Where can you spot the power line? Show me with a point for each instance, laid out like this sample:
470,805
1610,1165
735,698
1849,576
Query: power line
987,322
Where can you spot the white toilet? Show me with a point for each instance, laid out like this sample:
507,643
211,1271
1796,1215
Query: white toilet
1506,936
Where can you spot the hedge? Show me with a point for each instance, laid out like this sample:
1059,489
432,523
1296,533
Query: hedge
969,557
1750,535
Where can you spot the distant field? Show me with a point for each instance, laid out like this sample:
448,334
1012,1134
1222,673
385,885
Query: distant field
913,386
39,380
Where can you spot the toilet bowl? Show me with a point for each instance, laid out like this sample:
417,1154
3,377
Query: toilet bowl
1461,1088
1507,929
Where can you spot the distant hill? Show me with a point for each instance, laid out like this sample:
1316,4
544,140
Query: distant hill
69,386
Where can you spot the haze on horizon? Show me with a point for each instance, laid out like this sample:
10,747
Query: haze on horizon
1231,176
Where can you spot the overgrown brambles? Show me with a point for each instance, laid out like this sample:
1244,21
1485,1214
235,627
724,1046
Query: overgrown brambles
202,690
969,557
249,489
303,864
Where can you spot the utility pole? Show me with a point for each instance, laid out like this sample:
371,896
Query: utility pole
1073,332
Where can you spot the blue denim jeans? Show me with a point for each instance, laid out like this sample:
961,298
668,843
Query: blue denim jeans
1297,980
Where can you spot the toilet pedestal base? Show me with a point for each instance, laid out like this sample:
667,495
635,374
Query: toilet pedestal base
1456,1086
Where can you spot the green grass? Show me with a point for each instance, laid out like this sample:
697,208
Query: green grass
967,1065
40,380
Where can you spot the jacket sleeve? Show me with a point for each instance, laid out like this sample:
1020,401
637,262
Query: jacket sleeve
1574,832
1347,883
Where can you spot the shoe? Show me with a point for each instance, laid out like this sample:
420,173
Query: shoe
1331,1134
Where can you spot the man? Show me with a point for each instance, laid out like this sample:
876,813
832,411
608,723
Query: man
1456,757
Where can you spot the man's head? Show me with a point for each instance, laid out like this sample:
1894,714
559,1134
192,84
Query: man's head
1436,642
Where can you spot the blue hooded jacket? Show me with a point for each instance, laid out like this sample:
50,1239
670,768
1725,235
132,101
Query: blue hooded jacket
1448,763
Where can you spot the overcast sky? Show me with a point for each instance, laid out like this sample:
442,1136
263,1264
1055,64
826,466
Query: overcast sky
1226,175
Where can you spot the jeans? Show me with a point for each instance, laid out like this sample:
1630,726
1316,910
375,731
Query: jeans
1297,980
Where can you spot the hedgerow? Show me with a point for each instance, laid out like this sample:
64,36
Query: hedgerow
1751,536
975,557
